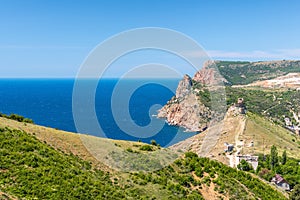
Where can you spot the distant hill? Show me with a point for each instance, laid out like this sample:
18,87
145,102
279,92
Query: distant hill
242,73
290,80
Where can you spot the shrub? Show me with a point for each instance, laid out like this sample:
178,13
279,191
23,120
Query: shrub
146,148
18,118
153,142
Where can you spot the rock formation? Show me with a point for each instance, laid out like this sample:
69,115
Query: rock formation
209,75
184,109
184,87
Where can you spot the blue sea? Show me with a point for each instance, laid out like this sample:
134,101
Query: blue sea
49,103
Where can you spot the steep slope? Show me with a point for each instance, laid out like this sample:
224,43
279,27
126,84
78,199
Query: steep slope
276,105
264,134
68,142
32,169
250,134
103,153
192,107
184,108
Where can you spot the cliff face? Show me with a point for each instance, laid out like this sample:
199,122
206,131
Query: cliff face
193,106
184,109
184,87
208,75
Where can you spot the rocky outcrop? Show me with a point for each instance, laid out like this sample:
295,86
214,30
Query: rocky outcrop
184,109
184,87
209,75
206,75
188,108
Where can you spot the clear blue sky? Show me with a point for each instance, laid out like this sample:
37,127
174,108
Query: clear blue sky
51,38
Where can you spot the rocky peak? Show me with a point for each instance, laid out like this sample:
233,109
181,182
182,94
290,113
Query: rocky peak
209,75
184,87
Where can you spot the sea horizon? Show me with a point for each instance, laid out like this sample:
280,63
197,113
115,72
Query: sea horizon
49,103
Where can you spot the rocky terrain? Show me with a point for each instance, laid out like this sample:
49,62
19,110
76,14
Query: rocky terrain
184,108
191,108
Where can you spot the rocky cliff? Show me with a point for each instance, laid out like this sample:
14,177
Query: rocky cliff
193,106
209,75
185,108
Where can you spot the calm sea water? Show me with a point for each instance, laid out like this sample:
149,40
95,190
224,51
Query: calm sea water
49,103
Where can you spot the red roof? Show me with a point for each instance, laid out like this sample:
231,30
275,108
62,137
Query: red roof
278,179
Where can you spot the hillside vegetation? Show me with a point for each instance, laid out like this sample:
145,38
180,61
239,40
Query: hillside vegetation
275,105
242,73
31,169
264,134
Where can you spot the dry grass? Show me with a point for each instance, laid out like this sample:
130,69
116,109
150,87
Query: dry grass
96,150
264,134
61,140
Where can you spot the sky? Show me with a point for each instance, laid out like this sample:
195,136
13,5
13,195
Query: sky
52,38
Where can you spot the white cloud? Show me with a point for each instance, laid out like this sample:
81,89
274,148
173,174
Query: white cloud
264,55
251,55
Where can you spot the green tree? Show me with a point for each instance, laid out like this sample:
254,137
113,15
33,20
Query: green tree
295,194
244,166
146,148
273,157
284,157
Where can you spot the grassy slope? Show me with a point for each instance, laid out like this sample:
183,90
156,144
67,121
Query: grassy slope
101,152
265,134
34,169
69,142
60,140
272,104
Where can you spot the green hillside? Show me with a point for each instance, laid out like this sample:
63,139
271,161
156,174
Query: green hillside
32,169
272,104
264,134
242,73
275,105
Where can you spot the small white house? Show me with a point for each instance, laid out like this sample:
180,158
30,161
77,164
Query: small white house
229,147
280,182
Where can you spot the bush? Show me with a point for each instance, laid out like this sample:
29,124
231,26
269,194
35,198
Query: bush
244,166
153,142
295,194
18,118
146,148
129,150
